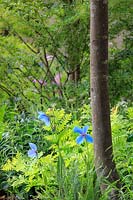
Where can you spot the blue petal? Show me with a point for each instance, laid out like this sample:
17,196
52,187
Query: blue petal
32,153
78,130
44,118
33,146
40,113
88,138
85,129
80,139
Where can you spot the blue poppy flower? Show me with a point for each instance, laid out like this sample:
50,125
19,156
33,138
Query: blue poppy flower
43,117
33,151
83,134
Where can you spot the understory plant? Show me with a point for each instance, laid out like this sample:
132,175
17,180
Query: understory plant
56,161
48,169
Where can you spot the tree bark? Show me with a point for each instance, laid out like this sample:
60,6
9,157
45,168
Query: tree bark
75,75
105,166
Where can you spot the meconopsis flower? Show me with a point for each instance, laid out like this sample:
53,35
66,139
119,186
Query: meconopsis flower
83,134
43,117
32,153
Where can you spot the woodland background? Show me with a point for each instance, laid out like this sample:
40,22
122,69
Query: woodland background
44,66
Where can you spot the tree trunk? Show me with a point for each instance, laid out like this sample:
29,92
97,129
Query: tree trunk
105,166
75,75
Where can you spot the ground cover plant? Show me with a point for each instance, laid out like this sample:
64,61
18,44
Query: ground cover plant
56,165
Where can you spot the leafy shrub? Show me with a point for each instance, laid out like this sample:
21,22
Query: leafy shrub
63,169
122,128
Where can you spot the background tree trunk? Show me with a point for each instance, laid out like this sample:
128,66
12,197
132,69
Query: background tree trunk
105,166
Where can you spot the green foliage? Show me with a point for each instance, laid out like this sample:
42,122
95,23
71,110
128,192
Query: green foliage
59,165
120,16
121,50
122,128
37,30
2,124
63,169
30,32
120,79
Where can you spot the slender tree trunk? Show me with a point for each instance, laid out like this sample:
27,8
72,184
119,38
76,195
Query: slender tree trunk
75,75
105,166
72,76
